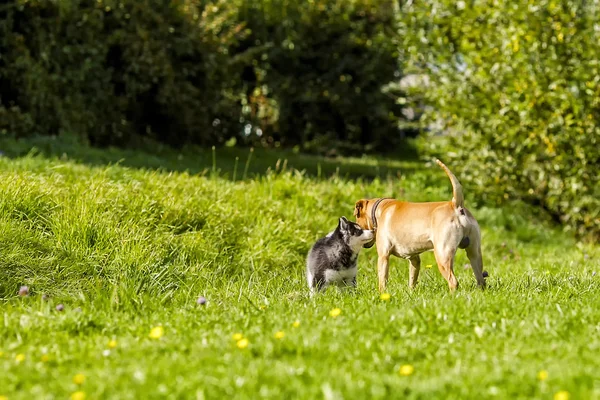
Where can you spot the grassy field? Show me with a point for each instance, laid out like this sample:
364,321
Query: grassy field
125,243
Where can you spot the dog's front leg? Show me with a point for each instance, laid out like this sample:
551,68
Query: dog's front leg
383,270
415,267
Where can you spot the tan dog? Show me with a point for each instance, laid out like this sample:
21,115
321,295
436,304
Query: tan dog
408,229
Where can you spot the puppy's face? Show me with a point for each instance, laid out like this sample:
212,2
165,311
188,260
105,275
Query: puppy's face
362,219
354,235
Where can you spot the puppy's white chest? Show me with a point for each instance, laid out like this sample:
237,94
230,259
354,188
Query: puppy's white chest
340,276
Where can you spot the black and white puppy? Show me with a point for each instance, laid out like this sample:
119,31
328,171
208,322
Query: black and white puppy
332,259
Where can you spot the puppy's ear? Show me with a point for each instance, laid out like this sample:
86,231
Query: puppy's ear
343,223
359,208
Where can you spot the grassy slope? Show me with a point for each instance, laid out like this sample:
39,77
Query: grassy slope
133,248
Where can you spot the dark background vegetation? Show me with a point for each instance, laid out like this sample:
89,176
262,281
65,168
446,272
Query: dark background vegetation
513,88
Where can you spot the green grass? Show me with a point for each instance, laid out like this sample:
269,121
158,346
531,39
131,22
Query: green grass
128,241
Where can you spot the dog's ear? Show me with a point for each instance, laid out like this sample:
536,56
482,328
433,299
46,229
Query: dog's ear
359,207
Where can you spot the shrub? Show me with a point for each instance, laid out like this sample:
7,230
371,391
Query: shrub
111,71
201,71
319,80
517,85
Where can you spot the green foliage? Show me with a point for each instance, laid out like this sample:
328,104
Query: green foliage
199,71
517,84
112,70
320,80
133,248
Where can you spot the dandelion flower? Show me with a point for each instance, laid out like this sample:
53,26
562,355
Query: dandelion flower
112,344
45,358
542,375
3,398
242,343
562,395
335,312
296,324
279,335
429,266
385,296
20,358
237,336
407,370
157,332
79,395
79,379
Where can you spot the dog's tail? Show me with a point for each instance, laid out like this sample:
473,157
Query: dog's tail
457,193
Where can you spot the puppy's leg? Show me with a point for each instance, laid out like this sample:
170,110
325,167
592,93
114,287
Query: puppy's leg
350,282
445,260
474,255
316,283
415,267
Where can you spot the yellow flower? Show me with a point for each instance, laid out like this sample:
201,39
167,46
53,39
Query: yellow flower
112,344
335,312
296,324
542,375
157,332
407,370
562,395
79,395
3,398
79,379
279,335
242,343
385,296
428,266
20,358
45,358
237,336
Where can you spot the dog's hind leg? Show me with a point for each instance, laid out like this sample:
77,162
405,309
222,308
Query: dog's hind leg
414,268
474,255
445,262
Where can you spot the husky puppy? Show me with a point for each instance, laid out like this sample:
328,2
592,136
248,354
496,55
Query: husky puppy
332,259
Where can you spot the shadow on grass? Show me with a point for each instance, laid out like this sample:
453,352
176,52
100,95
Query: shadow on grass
232,162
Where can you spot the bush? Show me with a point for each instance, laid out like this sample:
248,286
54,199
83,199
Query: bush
319,80
200,71
517,85
113,71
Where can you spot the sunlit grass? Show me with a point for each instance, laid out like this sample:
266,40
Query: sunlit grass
128,252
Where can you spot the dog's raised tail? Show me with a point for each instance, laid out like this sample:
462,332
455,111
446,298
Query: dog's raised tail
457,193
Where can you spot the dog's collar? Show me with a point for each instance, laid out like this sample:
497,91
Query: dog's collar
374,210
